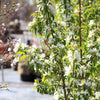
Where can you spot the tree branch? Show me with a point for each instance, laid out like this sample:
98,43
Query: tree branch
80,28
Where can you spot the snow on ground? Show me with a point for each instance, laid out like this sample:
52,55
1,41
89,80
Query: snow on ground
18,90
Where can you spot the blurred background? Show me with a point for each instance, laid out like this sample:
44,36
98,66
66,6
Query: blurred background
17,80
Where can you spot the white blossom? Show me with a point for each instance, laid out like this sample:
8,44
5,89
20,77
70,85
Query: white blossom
52,8
69,54
57,6
63,23
42,55
18,5
68,18
15,61
56,96
11,23
97,54
47,61
84,92
5,6
38,1
50,40
16,21
35,84
90,43
3,24
46,73
97,95
52,46
91,22
76,10
82,98
93,50
71,33
90,98
83,68
23,45
9,49
12,65
16,47
59,34
80,84
78,93
68,38
32,61
71,7
58,56
88,56
80,72
34,47
51,56
91,33
88,83
89,1
77,55
31,23
67,70
98,40
16,9
71,98
60,45
40,7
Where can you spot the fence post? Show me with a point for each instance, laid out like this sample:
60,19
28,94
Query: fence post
2,73
2,70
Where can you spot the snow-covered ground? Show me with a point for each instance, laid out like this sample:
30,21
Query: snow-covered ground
18,90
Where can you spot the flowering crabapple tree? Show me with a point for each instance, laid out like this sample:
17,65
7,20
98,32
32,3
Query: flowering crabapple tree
7,9
70,62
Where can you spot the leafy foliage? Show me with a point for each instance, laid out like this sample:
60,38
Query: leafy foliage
70,62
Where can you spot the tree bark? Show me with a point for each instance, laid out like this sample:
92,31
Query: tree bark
80,29
65,96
